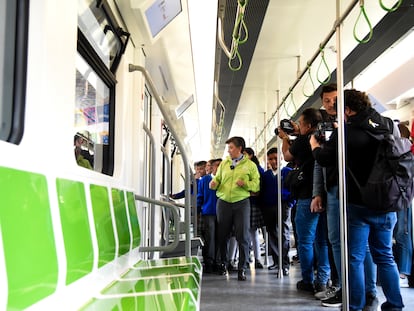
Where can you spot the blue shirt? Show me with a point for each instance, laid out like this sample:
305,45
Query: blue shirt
206,197
269,190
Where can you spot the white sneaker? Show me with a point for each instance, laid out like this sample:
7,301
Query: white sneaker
404,282
326,294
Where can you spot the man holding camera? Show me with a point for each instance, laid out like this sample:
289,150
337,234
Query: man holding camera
300,185
326,181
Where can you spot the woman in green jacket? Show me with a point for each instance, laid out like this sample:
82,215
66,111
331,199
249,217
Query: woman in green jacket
236,177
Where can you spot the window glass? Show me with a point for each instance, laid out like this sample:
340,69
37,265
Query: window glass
91,116
98,30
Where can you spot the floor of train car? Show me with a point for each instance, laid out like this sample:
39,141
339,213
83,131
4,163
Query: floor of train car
264,291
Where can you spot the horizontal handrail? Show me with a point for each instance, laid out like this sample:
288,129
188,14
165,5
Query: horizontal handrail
176,216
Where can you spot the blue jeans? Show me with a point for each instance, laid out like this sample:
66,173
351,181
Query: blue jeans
306,227
332,214
404,244
365,226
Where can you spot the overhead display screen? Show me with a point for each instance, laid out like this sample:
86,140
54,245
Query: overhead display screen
161,13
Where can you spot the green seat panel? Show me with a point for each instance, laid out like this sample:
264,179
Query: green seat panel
164,283
76,229
174,301
28,238
136,231
103,224
161,271
122,228
169,261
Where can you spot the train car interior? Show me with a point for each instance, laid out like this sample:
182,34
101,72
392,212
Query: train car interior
111,110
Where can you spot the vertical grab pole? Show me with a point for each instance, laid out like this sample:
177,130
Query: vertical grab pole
180,145
341,161
194,205
279,197
152,189
265,236
167,162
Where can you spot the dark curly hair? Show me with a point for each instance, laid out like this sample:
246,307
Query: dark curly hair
356,100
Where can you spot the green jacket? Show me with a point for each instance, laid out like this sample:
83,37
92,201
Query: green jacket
226,178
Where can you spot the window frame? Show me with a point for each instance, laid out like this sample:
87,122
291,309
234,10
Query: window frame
98,66
86,50
20,46
121,35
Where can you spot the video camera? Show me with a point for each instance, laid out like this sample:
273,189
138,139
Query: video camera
324,131
286,126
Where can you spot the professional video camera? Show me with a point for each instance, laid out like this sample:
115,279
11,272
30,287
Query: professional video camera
286,126
323,131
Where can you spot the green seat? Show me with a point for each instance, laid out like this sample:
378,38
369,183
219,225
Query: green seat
152,283
122,227
103,224
133,217
178,300
28,238
75,228
162,271
170,261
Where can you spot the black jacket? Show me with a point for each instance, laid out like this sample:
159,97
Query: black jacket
361,149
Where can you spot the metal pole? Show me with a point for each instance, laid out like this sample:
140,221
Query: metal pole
174,209
341,161
167,162
180,145
279,198
152,189
194,205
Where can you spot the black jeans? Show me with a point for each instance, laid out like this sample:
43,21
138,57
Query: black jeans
234,216
208,233
270,216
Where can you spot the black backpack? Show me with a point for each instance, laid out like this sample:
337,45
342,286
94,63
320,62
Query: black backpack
390,185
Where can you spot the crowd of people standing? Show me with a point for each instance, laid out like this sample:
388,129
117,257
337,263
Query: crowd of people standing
237,198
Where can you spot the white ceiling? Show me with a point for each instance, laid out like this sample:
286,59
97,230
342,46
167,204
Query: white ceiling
290,29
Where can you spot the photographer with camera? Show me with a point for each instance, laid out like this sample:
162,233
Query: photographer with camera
325,181
300,184
367,229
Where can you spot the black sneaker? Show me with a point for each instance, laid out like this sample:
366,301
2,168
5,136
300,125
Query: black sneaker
241,275
328,293
333,302
258,264
306,287
222,270
371,302
273,267
319,287
386,306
